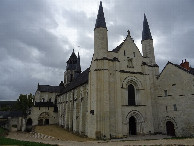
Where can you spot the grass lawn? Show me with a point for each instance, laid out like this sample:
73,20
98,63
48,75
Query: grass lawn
8,141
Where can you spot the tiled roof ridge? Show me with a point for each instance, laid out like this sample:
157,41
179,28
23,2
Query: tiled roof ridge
49,88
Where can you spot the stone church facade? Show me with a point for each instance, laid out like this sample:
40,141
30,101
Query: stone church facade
122,93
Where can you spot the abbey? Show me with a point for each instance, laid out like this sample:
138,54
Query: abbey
122,93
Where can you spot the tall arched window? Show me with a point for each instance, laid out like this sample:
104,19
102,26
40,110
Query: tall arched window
131,95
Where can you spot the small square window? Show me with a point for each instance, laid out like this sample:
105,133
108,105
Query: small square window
133,54
175,108
165,93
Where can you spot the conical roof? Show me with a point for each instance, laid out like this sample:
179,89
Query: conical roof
72,58
146,34
100,21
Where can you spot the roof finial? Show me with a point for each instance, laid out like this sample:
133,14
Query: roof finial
128,33
73,50
100,21
146,34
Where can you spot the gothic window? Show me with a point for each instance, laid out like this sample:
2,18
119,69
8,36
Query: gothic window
131,95
130,63
42,99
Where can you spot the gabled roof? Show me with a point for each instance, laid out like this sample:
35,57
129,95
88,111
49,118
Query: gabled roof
50,89
191,71
80,80
116,50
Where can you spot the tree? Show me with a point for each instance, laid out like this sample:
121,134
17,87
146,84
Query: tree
25,102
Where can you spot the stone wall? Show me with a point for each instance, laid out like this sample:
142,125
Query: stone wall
73,109
175,100
43,113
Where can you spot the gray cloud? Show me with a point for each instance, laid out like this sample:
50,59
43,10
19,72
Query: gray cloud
31,50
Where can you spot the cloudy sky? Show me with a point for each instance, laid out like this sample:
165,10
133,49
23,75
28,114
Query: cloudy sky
38,36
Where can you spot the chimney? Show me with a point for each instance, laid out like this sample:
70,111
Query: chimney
185,65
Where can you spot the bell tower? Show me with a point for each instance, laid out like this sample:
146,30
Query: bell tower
147,43
73,68
100,35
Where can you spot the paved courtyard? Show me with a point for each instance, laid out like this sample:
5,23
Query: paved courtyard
57,135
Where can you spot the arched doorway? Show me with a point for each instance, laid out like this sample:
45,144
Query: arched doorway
131,95
40,122
170,128
29,122
132,126
29,125
43,118
46,122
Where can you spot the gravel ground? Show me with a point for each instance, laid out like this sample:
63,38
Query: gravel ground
57,135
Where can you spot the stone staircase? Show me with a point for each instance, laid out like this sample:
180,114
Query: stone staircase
40,136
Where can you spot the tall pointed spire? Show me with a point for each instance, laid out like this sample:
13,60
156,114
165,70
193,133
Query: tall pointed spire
100,21
146,34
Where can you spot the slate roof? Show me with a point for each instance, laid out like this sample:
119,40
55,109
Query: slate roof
50,89
72,58
146,34
6,114
116,50
80,80
191,71
100,21
182,68
44,104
